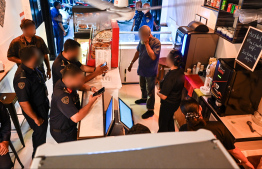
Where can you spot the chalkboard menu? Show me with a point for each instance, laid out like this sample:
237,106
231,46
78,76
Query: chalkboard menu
251,49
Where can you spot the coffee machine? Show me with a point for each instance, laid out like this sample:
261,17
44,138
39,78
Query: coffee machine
235,90
196,42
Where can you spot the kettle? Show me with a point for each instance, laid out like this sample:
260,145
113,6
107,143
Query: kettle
257,117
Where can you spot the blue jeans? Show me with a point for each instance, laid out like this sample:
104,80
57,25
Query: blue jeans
59,35
147,85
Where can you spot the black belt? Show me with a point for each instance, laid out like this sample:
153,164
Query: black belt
59,131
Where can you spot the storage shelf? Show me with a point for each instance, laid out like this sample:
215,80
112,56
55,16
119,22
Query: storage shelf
210,7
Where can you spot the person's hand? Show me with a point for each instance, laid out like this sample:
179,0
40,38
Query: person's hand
48,73
248,165
93,89
4,148
146,41
132,28
157,27
130,67
39,121
100,70
92,98
64,33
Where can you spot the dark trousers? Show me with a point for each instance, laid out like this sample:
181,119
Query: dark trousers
59,35
147,85
64,136
6,162
39,132
166,121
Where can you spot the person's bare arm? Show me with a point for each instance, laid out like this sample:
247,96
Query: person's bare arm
85,110
133,61
150,52
15,59
48,73
163,97
29,111
61,26
240,156
87,69
133,25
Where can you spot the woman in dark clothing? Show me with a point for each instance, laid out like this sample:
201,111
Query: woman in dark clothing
171,91
193,113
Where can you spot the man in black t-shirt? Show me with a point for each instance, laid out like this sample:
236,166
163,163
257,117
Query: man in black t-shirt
70,56
193,113
28,38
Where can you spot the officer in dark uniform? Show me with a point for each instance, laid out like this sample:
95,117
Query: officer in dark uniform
5,133
70,56
31,91
65,106
26,39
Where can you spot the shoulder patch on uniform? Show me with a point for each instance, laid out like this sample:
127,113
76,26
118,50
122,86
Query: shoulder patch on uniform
21,85
65,100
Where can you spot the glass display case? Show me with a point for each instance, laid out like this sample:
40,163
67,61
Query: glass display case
130,37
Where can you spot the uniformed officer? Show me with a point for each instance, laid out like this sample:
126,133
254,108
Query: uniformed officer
29,38
5,133
31,91
70,56
59,30
65,106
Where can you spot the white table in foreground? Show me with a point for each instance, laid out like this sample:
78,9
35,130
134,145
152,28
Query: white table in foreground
127,143
93,124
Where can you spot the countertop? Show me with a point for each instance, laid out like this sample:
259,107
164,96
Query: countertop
8,66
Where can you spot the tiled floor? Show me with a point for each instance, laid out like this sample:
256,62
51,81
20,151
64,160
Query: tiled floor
129,93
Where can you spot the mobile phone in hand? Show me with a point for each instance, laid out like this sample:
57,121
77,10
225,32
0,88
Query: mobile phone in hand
100,91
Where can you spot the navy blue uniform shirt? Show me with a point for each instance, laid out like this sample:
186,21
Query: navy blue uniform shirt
59,64
138,18
148,67
65,103
54,15
148,20
30,86
5,124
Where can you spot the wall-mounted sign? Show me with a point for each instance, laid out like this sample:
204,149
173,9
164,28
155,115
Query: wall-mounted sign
251,49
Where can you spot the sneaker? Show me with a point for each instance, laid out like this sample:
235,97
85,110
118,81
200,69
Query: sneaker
148,114
140,101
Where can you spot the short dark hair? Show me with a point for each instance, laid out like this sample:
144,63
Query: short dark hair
190,108
176,57
70,44
138,129
140,3
26,23
26,53
56,3
71,70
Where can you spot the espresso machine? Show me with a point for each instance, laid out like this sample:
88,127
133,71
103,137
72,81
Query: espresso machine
235,90
197,43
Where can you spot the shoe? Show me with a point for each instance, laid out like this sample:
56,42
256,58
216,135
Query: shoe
140,101
148,114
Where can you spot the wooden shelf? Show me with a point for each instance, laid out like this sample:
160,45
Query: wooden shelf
226,19
210,7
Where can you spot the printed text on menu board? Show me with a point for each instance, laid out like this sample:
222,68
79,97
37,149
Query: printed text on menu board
251,48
